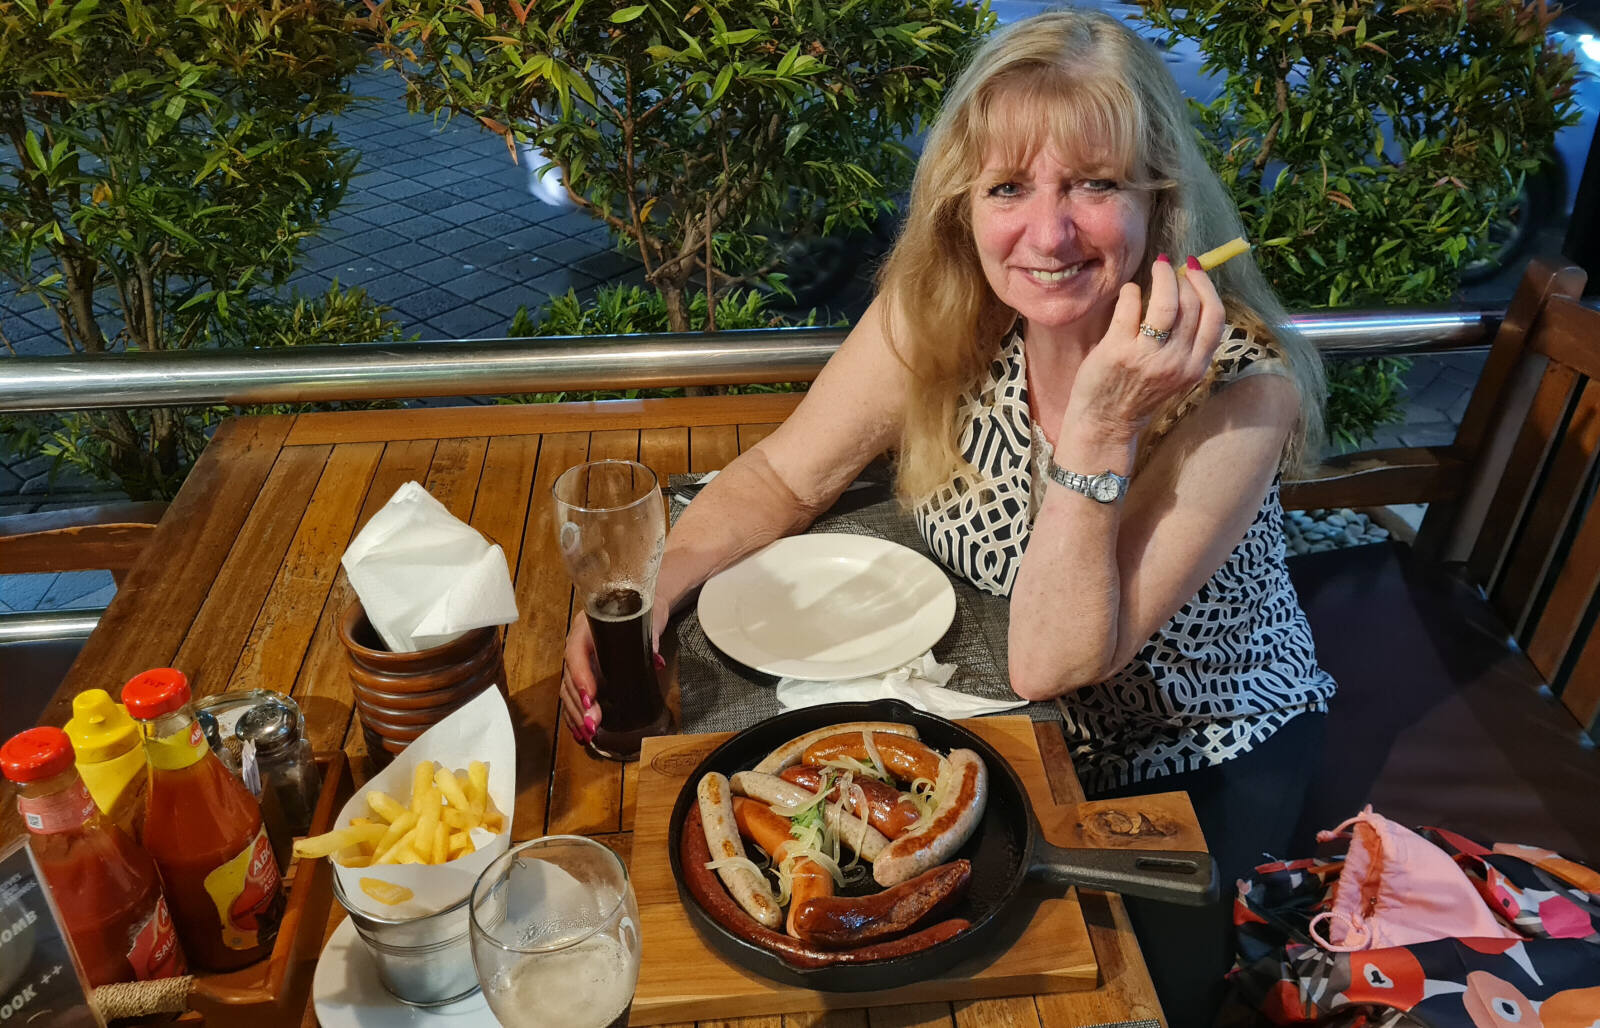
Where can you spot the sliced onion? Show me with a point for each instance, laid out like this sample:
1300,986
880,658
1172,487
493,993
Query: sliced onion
872,755
735,862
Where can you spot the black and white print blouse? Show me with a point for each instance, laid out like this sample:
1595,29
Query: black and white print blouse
1231,667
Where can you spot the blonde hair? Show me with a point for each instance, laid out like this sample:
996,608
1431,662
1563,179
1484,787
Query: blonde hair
1084,84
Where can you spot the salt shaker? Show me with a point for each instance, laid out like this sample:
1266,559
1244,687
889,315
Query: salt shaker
277,766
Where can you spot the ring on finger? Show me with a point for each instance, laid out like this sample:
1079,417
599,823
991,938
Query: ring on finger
1158,334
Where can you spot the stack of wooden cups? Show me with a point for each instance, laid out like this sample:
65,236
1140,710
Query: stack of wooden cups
401,695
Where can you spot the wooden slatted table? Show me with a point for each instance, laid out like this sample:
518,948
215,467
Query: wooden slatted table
241,588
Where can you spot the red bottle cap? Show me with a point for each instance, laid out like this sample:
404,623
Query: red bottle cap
150,694
36,754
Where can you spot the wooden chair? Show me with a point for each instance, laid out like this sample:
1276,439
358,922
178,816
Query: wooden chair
1468,666
83,539
109,537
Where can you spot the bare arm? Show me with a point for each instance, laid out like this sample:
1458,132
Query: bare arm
1099,579
850,415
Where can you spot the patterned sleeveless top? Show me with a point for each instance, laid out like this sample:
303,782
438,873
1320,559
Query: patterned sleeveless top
1230,668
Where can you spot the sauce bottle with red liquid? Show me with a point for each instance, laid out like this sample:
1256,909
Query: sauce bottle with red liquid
205,832
104,886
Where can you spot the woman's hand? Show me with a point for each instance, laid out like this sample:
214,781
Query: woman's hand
1131,375
580,673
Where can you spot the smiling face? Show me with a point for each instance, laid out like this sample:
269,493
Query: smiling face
1058,237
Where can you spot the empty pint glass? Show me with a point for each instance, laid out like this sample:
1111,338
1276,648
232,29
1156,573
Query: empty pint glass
611,527
555,935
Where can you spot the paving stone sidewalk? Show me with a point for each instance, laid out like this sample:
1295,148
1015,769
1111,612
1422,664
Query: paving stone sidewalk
438,224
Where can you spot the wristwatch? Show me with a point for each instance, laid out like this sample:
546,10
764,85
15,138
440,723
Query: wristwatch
1106,487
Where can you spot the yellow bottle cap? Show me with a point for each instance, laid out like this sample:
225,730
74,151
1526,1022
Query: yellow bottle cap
100,728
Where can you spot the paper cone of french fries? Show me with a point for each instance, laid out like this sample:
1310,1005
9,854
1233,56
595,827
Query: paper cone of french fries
479,732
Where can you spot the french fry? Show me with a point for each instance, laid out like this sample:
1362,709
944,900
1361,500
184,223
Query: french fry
1222,254
478,791
441,842
331,842
385,806
402,845
460,844
453,794
384,822
427,818
421,784
397,830
459,819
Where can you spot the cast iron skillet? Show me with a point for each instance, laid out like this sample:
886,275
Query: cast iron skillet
1007,849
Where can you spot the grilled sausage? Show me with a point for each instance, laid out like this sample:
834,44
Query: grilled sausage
721,908
722,839
886,809
835,922
906,759
789,752
963,790
852,831
807,879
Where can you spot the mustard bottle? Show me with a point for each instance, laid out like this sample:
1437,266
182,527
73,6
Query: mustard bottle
110,758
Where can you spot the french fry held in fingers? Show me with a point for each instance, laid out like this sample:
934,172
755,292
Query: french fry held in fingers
432,826
1222,254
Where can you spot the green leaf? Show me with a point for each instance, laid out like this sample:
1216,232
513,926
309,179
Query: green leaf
737,37
724,77
629,13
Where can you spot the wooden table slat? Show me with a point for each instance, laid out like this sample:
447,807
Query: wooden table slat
278,643
211,647
1016,1012
916,1015
534,643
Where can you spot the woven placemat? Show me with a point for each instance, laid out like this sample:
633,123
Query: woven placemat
718,694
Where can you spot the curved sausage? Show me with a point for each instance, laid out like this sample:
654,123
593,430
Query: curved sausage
963,789
721,908
808,879
852,831
887,810
906,759
789,752
722,839
844,921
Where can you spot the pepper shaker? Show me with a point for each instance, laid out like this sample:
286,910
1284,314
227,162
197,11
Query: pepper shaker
277,765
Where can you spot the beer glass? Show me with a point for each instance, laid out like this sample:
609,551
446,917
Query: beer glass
611,526
555,935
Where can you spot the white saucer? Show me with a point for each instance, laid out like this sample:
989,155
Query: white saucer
347,994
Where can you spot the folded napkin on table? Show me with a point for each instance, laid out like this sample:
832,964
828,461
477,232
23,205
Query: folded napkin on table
920,683
425,577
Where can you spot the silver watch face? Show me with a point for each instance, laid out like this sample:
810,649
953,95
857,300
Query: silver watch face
1105,488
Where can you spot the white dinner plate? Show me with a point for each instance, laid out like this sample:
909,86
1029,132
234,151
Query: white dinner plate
827,607
347,994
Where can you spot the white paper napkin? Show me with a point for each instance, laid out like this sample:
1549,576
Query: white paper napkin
424,576
920,683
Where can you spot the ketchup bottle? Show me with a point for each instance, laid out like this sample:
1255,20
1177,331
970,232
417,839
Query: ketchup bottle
204,830
104,886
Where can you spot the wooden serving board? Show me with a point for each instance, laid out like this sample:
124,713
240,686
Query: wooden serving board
683,979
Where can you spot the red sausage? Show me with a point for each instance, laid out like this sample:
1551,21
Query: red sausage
887,810
714,899
845,921
808,880
905,758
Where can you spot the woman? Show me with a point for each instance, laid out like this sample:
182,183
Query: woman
1084,427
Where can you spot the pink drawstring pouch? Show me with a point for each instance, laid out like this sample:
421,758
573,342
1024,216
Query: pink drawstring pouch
1397,889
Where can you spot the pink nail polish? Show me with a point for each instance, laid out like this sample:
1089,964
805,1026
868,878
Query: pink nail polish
659,661
1193,264
591,721
1163,258
583,698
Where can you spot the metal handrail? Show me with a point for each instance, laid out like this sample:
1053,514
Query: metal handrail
48,625
484,367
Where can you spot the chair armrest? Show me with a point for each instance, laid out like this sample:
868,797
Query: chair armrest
1372,478
107,537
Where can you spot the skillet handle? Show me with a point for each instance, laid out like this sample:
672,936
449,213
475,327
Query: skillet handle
1169,876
